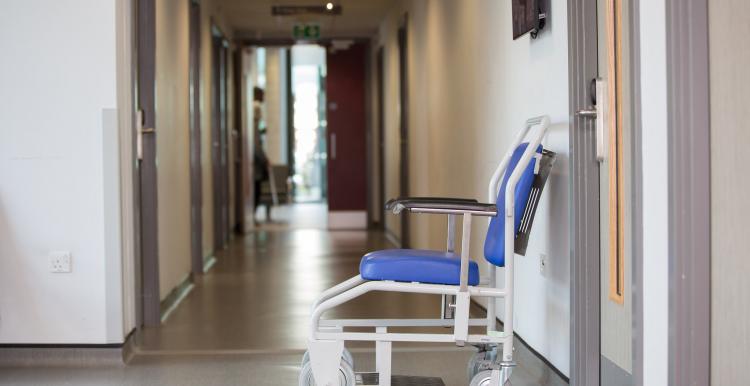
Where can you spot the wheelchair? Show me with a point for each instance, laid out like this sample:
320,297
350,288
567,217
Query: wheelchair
524,171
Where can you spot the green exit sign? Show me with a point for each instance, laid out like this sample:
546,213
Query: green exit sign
306,31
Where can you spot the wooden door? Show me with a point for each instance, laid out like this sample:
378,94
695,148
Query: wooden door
346,124
148,312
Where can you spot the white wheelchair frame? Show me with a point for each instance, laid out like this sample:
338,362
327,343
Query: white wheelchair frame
327,337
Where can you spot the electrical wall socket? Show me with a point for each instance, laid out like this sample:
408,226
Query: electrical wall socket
60,262
543,264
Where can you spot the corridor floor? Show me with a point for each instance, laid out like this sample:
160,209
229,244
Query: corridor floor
246,320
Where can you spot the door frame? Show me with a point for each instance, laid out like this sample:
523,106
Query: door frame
380,87
219,137
636,197
148,312
289,100
585,272
402,37
196,173
239,141
689,156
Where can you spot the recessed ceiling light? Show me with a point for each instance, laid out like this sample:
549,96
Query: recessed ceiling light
329,6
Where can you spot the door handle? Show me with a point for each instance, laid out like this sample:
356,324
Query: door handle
599,112
139,131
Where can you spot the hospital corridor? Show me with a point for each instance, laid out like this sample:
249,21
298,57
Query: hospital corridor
374,192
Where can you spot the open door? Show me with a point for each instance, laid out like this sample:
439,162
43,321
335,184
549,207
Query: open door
148,311
616,362
347,149
220,139
600,140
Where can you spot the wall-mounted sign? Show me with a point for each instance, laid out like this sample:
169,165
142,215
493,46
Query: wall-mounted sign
306,31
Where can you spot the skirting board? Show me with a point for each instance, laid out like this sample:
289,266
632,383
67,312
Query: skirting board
347,219
175,297
74,355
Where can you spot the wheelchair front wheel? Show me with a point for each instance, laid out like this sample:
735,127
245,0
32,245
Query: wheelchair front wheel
346,375
477,363
484,378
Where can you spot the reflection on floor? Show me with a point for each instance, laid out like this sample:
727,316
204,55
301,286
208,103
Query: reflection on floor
246,321
299,216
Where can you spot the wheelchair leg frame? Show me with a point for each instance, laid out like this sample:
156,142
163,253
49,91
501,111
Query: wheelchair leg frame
327,336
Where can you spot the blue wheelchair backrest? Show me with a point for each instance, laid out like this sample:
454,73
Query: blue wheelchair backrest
494,243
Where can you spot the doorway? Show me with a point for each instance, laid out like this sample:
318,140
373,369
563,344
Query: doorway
309,147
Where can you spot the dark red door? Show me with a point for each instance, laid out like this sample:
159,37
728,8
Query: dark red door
347,150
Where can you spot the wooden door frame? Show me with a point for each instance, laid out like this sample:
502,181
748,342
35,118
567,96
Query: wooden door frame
403,69
196,173
146,196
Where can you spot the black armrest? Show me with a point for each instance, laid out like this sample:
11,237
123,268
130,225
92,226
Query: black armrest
399,200
444,205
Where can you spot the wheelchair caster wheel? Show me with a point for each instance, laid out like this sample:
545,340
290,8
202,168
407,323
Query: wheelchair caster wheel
475,364
480,360
346,375
484,378
347,356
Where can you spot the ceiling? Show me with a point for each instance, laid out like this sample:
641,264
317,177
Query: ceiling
252,19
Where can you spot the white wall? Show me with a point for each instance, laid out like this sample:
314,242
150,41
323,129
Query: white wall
471,88
58,156
655,204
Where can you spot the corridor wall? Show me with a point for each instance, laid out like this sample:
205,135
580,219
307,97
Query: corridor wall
471,88
59,168
173,142
730,209
173,146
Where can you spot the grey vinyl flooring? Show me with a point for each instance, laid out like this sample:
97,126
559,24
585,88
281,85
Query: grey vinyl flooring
245,322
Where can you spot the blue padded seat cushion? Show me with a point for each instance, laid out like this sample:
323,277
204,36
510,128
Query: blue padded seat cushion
494,243
416,265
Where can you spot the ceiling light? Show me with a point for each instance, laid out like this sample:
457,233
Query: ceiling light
329,6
